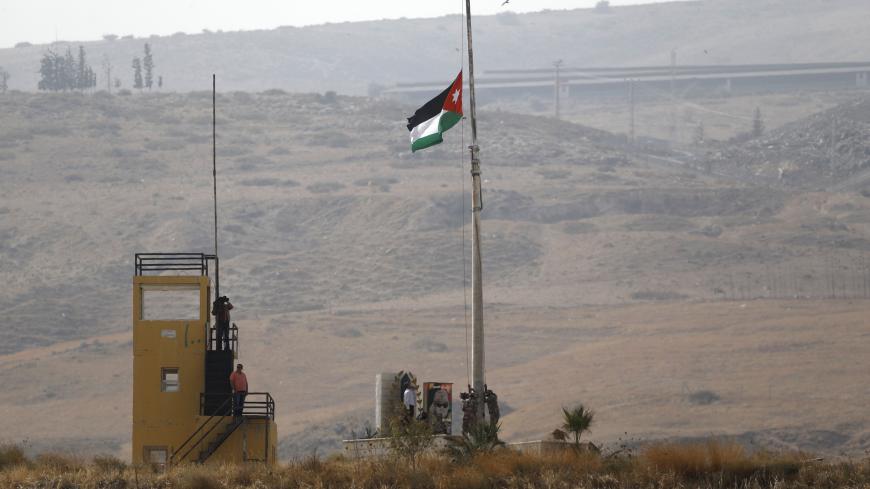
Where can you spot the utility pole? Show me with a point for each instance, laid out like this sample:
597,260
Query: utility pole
673,128
558,65
107,65
631,104
477,348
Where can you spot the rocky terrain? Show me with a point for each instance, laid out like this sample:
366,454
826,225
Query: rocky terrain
827,148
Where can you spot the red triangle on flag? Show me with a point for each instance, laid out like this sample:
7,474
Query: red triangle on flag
453,102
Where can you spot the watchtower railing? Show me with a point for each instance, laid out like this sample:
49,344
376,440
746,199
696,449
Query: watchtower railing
232,339
174,262
257,404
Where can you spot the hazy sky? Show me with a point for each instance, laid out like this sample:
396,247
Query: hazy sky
39,21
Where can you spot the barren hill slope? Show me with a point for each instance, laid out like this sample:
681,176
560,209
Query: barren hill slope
342,252
350,57
322,204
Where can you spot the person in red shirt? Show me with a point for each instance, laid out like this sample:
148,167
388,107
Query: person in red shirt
239,383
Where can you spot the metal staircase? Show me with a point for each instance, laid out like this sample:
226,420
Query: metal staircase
208,437
219,439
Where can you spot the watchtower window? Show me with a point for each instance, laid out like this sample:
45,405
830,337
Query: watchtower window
169,380
156,457
170,303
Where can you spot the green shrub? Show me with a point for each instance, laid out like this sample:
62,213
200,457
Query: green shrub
57,462
108,463
11,455
195,478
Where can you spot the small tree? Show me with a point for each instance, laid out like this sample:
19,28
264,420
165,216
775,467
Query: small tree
329,97
4,80
92,78
137,73
602,6
69,77
47,72
409,438
57,72
698,137
148,64
82,76
757,123
160,81
577,421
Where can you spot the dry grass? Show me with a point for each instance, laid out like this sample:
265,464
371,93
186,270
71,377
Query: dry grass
702,465
726,461
10,455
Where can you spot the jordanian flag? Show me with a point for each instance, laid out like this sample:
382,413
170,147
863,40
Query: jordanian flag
438,115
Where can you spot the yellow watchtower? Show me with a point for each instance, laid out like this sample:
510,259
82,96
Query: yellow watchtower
182,401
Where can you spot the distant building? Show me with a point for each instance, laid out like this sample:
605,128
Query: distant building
689,80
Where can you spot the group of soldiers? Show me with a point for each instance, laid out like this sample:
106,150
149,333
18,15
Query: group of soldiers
469,407
468,402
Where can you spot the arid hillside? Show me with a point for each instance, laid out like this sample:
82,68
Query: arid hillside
355,57
622,279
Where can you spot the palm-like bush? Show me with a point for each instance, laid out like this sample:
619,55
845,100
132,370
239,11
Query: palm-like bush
577,421
481,438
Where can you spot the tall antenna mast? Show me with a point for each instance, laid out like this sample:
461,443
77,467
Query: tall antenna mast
477,347
217,276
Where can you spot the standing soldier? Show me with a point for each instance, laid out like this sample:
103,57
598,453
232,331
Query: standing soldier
491,401
469,416
221,310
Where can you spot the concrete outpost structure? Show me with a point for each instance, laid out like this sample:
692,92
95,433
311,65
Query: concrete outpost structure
182,404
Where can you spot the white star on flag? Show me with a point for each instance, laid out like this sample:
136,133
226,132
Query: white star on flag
456,96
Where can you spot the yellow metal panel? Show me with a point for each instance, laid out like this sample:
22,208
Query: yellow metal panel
254,441
167,418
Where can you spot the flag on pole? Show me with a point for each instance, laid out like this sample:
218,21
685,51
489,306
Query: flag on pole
438,115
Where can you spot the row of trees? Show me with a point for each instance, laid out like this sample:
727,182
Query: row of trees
63,72
145,64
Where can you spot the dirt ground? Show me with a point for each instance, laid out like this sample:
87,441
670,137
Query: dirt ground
782,374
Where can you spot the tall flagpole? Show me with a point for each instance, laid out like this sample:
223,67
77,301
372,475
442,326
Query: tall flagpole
477,347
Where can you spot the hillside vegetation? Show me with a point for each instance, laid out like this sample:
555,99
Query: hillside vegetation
704,465
352,57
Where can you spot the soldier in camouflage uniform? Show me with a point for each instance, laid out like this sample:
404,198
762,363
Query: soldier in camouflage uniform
491,401
468,415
